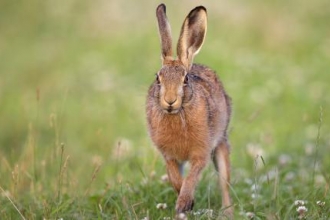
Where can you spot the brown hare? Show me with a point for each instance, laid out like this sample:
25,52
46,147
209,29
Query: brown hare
188,111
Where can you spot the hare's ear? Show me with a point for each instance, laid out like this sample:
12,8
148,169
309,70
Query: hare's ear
164,32
192,35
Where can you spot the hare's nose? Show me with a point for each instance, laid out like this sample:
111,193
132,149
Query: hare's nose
170,102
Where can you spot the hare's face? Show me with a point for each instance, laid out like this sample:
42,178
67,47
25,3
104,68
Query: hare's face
171,81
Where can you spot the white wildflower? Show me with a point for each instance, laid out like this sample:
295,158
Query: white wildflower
181,216
254,195
302,209
161,206
206,212
320,203
164,178
250,215
300,202
255,187
197,213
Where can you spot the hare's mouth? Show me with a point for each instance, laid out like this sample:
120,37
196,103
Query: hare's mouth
171,110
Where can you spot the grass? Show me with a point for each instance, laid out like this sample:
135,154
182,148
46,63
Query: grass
73,82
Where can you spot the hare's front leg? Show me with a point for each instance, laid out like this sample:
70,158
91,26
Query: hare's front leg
222,164
185,200
174,175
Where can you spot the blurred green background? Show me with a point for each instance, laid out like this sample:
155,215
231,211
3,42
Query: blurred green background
74,77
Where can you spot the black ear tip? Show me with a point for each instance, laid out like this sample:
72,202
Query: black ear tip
196,11
161,7
201,7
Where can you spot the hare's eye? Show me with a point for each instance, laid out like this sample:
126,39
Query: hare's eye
185,80
157,79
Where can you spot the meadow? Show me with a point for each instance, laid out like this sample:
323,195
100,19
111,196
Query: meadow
73,82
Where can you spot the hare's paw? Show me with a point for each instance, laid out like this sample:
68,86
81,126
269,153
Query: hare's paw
184,204
228,212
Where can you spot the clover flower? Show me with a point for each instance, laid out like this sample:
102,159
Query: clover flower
161,206
320,203
181,216
250,215
299,203
206,212
301,211
164,178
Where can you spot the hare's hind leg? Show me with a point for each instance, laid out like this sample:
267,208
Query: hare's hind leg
222,164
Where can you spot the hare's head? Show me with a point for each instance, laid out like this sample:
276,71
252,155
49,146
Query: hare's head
173,76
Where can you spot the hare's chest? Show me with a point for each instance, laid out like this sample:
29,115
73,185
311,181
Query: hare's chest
180,139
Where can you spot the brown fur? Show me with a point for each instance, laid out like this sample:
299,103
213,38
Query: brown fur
188,111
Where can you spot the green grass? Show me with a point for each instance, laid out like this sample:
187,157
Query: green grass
73,82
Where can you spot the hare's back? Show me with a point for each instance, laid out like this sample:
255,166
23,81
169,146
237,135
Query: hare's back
212,93
208,79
